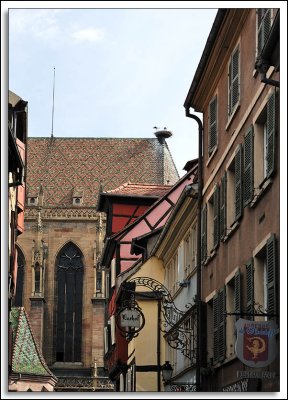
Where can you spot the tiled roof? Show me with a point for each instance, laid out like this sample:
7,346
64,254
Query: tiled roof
62,165
138,189
26,356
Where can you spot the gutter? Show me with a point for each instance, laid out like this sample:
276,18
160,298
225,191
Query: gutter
198,268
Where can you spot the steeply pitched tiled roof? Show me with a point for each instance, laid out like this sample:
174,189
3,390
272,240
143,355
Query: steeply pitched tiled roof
139,189
62,165
26,356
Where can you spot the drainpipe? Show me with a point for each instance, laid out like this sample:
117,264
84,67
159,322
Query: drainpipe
199,275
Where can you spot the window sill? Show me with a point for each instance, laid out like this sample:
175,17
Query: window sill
231,231
211,156
210,257
263,187
231,117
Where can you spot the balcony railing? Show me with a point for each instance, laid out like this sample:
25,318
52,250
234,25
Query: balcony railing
84,384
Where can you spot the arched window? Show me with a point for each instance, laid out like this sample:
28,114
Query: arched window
69,273
37,277
18,299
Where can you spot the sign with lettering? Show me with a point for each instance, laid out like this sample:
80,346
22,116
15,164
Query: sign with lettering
130,318
256,342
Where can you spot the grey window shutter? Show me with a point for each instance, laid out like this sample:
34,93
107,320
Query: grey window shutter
223,206
234,80
271,260
237,294
264,25
216,217
204,233
270,135
250,289
212,125
222,324
215,329
248,179
238,183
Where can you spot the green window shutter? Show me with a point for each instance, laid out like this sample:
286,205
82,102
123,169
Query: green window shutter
237,294
270,135
212,125
223,206
264,25
238,183
215,329
204,233
216,217
250,289
222,324
234,80
271,278
248,173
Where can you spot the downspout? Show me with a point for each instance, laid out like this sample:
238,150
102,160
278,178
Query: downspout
199,275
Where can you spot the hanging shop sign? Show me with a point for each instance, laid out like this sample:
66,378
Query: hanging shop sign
130,318
256,342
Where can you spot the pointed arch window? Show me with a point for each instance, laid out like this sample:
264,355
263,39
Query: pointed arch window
18,300
69,273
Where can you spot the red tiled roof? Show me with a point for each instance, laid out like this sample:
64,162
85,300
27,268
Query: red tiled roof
139,189
63,165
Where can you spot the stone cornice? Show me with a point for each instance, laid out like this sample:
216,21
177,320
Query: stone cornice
51,213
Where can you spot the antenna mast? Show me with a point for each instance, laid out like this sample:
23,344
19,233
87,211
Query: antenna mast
53,104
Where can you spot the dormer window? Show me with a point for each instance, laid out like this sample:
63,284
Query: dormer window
77,196
32,201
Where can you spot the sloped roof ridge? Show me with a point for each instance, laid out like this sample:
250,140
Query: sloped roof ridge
137,184
155,204
22,318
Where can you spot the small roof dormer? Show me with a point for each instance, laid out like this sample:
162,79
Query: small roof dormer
77,196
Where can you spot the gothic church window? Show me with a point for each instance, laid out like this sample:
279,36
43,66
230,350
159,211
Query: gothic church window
18,300
69,273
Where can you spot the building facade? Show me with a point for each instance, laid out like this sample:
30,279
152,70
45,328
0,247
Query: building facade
63,285
236,87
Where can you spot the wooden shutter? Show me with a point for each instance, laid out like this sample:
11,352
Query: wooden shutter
248,167
237,294
270,135
212,124
264,25
215,329
216,216
222,324
238,183
271,275
204,233
250,289
223,207
234,80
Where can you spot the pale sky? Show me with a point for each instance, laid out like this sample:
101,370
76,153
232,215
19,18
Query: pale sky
118,72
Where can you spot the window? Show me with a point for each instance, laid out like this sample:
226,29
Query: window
248,168
213,129
266,277
113,329
263,27
219,326
190,251
233,305
113,272
69,291
204,233
18,299
264,143
213,220
234,81
32,201
262,280
234,188
172,274
37,278
77,201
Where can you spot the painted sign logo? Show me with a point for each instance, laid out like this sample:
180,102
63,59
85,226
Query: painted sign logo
130,318
256,342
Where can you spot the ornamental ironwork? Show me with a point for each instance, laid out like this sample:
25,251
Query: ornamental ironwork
183,387
178,326
84,384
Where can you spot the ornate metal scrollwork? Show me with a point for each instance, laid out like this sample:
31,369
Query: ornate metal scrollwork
178,333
